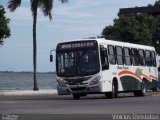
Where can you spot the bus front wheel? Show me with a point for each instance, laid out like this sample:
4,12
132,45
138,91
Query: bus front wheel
112,94
76,96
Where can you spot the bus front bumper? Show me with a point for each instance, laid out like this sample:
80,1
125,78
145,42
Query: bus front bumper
78,90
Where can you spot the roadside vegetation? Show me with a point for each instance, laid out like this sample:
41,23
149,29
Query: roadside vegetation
46,7
4,25
141,28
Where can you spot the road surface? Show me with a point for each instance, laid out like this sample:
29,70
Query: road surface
42,106
92,104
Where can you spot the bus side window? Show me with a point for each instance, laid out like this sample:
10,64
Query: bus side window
104,58
135,60
153,59
148,58
127,56
111,54
141,57
119,53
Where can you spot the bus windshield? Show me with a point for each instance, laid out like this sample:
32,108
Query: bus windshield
77,62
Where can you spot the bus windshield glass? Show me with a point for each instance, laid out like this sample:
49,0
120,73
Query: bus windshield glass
77,59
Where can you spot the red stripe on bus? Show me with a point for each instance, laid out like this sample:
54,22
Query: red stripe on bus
146,76
128,72
154,77
134,74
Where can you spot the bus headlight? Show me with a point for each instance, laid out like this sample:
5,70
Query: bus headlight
95,80
61,83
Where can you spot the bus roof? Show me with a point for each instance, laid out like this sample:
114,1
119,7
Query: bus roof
104,41
124,44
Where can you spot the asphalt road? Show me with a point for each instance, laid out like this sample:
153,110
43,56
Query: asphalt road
94,104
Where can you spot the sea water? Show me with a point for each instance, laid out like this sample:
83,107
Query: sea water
24,81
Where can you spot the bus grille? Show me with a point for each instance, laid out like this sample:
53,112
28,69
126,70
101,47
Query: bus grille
75,81
78,89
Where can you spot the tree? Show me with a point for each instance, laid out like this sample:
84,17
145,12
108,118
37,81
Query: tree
4,28
135,28
46,7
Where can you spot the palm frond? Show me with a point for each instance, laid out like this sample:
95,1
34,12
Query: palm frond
13,4
63,1
34,6
46,7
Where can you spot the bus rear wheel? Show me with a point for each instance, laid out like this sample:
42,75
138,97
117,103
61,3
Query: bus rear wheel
143,90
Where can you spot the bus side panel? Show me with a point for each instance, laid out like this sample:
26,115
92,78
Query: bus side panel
153,79
130,83
106,81
130,77
108,76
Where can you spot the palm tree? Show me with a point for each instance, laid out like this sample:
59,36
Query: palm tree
46,7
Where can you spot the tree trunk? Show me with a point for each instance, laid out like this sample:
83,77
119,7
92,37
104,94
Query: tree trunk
35,88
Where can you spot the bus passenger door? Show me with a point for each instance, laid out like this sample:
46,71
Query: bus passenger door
104,58
105,67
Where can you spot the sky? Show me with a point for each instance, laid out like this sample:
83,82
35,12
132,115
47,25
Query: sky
73,20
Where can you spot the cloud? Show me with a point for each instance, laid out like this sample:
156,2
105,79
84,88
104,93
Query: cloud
21,13
78,9
76,19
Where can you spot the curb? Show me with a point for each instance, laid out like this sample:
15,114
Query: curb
46,94
27,95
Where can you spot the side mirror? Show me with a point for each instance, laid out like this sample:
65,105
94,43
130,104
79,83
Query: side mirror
51,55
51,58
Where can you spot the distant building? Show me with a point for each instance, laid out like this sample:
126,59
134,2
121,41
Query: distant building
152,10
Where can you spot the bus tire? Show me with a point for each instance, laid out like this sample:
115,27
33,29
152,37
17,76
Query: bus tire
112,94
143,90
155,89
76,96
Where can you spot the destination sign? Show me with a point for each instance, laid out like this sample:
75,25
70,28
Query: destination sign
74,45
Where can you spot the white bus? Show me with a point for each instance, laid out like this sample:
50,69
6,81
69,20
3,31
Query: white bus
97,65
